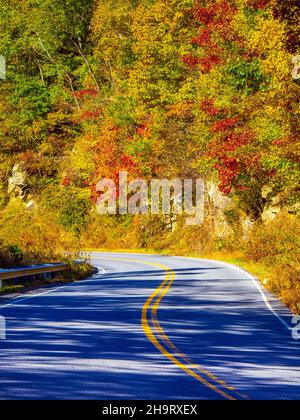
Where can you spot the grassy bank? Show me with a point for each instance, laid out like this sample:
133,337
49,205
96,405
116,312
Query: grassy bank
35,237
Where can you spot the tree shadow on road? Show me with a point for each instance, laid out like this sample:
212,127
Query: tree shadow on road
85,341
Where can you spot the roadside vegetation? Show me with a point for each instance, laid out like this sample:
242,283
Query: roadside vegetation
270,251
176,89
27,238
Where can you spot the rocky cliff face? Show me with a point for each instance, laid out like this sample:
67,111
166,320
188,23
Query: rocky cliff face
228,219
277,205
17,182
218,204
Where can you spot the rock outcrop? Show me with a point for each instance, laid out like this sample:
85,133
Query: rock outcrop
17,182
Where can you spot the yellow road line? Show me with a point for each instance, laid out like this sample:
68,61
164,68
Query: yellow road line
164,287
165,338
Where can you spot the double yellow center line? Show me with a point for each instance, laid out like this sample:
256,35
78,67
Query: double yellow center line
162,342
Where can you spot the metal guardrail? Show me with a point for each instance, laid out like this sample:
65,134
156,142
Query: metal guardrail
16,273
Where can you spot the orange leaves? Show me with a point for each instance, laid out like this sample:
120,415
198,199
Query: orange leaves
66,181
144,130
180,109
109,155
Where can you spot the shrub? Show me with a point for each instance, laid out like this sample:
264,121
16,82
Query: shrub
276,245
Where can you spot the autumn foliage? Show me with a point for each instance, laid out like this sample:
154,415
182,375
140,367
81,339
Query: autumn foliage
168,89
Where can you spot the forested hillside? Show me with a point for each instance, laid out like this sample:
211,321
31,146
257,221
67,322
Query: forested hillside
161,89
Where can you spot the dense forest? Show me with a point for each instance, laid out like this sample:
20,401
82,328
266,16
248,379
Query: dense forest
160,89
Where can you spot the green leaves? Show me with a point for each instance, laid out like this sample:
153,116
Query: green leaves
73,213
247,76
31,97
122,110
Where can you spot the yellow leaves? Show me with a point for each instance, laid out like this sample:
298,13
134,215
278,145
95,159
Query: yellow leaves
267,36
111,28
209,83
81,157
272,113
240,24
110,15
265,127
277,63
267,41
37,233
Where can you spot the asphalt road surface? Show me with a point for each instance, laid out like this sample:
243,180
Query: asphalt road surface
150,327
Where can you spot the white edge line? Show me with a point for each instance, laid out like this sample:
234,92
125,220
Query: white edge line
255,282
17,300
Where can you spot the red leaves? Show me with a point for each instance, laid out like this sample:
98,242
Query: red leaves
86,92
86,182
204,38
219,148
205,15
190,60
33,163
282,142
66,181
87,98
208,63
235,140
230,161
216,20
208,106
127,164
228,169
225,124
228,138
27,156
217,14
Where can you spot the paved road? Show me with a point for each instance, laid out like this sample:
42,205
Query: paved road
150,327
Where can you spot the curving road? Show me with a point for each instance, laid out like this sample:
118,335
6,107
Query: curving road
150,327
